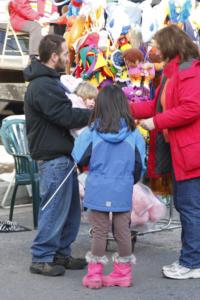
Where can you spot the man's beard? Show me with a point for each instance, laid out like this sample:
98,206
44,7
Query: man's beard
60,66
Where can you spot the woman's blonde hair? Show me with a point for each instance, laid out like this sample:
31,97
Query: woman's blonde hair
86,90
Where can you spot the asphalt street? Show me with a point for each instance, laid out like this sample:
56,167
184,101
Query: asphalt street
151,250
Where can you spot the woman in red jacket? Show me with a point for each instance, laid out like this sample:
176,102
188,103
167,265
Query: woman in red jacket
31,16
173,118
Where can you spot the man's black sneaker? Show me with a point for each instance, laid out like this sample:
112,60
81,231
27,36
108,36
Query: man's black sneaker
70,262
47,269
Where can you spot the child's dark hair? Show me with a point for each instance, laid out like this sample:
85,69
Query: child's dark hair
110,108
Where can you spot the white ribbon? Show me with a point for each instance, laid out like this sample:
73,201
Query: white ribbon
50,199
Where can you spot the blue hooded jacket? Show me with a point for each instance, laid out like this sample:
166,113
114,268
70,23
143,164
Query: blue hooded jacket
111,158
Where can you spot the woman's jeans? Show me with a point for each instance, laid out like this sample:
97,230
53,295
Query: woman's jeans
59,222
187,203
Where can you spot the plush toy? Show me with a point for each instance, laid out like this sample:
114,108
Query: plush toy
156,211
148,74
123,43
94,12
69,13
133,59
179,11
140,73
135,94
92,65
74,8
155,58
145,206
139,219
118,66
135,37
120,16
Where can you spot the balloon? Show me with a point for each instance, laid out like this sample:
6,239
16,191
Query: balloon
76,31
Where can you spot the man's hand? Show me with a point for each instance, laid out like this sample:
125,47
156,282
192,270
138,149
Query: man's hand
147,124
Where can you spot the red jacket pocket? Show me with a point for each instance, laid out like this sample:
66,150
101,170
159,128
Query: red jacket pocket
191,155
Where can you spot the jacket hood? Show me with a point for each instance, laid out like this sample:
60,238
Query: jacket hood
173,65
115,137
37,69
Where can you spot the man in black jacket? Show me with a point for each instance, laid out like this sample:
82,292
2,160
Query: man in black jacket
49,117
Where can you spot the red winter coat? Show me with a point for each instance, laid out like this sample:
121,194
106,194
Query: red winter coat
181,118
21,11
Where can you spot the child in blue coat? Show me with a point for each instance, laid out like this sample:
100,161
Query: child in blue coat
115,152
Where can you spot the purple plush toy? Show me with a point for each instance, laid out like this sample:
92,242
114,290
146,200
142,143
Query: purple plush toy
136,94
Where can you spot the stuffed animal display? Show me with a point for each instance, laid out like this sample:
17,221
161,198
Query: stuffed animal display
124,30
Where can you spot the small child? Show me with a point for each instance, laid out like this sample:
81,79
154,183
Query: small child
115,150
87,92
82,95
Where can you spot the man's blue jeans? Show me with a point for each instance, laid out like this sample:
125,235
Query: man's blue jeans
187,203
59,222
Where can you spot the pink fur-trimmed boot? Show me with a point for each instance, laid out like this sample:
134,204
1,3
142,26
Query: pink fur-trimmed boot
122,272
93,278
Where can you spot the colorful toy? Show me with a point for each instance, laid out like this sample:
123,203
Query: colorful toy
121,16
140,73
136,94
179,10
92,65
133,59
74,8
118,66
94,13
155,58
148,74
123,43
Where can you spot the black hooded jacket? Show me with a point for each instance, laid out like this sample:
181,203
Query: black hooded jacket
49,114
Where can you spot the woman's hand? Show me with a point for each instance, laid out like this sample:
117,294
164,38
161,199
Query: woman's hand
147,124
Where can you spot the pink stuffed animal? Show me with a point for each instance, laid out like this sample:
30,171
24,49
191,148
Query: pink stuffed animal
139,220
146,207
157,211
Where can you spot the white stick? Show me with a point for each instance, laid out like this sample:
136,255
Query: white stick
59,187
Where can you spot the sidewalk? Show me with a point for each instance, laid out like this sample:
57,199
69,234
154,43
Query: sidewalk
152,252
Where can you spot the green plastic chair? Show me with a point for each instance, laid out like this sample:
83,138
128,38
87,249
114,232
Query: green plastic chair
13,135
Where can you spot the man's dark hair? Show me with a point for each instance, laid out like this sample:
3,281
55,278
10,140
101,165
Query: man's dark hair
49,44
111,110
